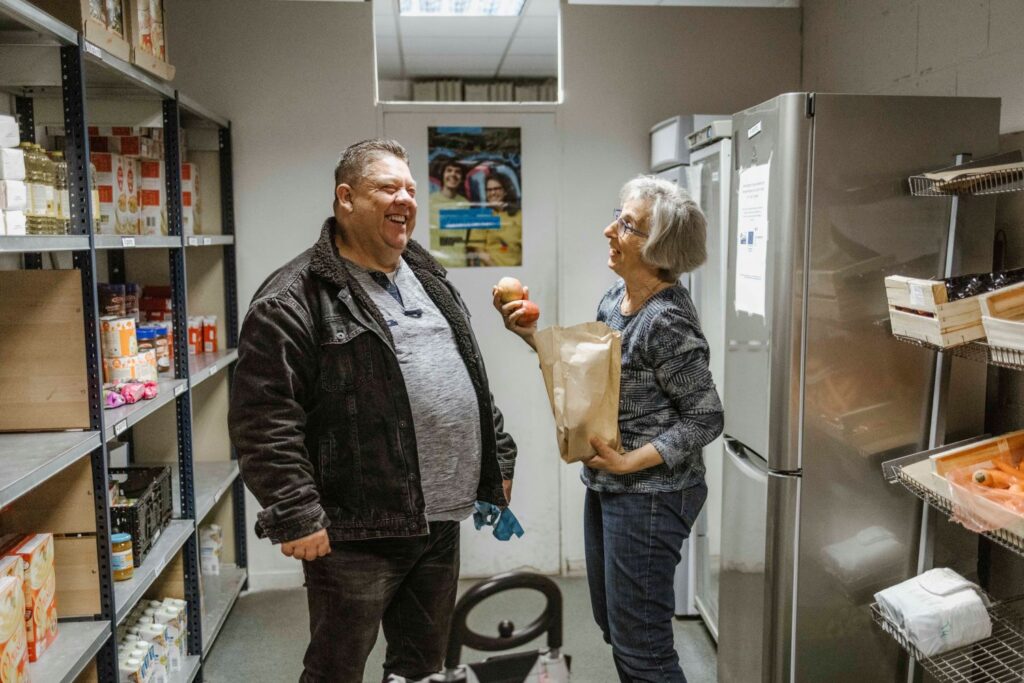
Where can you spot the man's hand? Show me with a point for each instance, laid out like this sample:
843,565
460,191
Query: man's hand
308,547
507,485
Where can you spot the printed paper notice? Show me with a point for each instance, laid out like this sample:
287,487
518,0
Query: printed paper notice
752,239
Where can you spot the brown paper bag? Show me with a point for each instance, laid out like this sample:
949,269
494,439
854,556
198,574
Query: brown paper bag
581,367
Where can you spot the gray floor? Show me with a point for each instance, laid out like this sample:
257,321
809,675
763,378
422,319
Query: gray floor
266,635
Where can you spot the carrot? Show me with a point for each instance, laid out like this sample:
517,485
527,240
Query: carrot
994,479
1009,469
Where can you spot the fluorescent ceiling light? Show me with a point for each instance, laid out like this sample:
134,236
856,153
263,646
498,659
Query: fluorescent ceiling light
460,8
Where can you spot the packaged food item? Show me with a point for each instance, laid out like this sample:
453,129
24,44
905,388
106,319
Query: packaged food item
40,588
12,164
189,197
103,190
112,300
13,636
195,335
153,198
145,366
10,134
135,146
118,370
121,559
13,195
118,337
131,300
62,194
157,338
210,544
113,131
98,11
15,222
12,565
210,334
156,12
126,195
115,16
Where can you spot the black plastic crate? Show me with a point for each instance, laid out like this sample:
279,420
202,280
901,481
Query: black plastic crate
151,512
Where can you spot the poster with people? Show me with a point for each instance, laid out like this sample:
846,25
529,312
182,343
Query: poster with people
476,198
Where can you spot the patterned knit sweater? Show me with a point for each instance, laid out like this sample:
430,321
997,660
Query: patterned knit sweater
666,396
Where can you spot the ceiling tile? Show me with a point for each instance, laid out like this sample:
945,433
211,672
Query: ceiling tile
463,46
533,46
541,8
538,27
457,28
529,65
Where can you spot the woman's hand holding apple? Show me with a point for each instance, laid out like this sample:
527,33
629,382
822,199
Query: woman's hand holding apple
518,313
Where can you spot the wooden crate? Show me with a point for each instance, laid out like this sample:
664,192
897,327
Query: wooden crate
43,379
1002,314
978,452
76,14
920,309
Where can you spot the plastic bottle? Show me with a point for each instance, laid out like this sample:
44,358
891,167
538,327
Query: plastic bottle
62,193
47,181
35,220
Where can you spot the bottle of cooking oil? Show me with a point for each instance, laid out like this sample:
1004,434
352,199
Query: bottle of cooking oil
35,220
48,180
62,195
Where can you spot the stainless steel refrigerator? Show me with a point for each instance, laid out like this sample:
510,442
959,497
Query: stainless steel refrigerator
817,395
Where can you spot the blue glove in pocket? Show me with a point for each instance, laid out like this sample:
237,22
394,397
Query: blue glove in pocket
504,522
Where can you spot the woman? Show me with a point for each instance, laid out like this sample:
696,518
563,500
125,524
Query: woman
641,504
504,246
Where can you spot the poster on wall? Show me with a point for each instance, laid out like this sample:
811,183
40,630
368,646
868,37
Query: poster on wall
476,198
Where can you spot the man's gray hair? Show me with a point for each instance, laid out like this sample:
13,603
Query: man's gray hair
354,160
677,228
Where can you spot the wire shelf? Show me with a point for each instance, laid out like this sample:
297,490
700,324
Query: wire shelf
992,182
996,659
1006,539
977,351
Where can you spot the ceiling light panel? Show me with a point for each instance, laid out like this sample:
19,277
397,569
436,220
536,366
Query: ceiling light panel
460,8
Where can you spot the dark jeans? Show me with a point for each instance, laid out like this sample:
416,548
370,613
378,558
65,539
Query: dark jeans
408,584
633,543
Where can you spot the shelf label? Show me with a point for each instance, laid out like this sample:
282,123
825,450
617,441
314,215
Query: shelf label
180,389
127,241
121,427
193,241
213,370
918,294
92,49
207,241
754,130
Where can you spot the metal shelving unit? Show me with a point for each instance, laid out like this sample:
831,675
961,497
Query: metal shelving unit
1001,657
44,58
996,659
76,645
128,593
205,365
221,593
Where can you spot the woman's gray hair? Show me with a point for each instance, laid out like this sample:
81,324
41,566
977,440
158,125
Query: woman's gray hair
676,225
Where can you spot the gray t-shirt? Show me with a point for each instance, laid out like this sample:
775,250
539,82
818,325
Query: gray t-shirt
445,412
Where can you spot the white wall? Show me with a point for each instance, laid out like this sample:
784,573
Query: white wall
296,79
918,47
626,69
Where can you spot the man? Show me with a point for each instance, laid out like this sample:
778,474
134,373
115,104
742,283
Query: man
364,425
449,246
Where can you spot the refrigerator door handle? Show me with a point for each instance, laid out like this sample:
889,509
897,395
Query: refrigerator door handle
754,467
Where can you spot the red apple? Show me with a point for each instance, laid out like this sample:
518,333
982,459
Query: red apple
531,312
510,289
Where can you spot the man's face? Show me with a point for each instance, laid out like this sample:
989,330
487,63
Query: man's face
383,204
452,177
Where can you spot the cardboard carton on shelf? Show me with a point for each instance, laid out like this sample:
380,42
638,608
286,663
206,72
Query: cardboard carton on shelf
43,380
148,37
102,22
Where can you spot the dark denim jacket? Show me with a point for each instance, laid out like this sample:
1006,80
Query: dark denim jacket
319,413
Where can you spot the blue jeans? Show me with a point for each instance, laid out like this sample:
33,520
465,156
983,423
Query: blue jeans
633,543
406,584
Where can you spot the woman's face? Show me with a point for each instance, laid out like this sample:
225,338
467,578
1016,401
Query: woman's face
624,246
495,192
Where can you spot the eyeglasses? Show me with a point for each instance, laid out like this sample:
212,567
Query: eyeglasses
626,225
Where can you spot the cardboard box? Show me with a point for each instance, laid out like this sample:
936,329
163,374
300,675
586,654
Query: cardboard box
191,222
146,55
105,178
13,195
99,28
40,587
14,222
127,145
12,164
43,381
12,565
13,640
126,195
153,198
